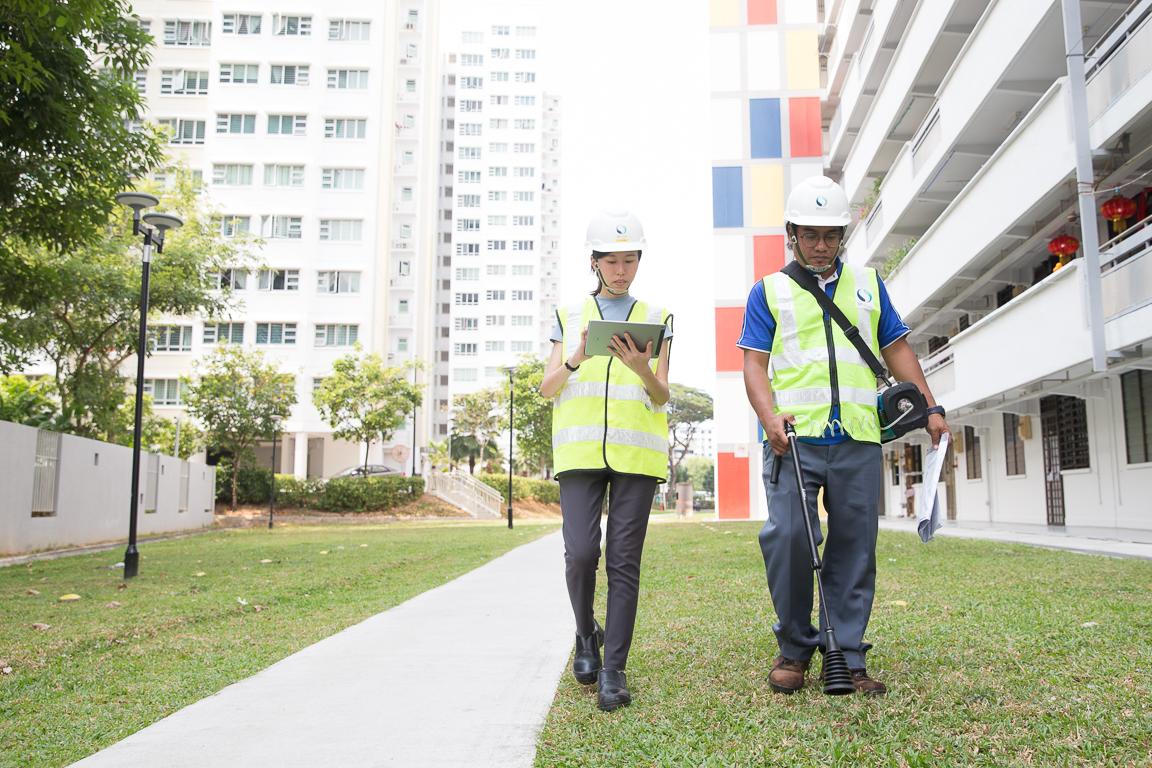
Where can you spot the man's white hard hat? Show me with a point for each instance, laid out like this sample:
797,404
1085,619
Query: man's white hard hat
818,202
615,230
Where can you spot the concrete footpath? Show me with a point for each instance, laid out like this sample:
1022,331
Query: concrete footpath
1115,542
461,675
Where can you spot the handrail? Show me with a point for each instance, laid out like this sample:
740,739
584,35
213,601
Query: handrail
464,491
1136,238
1112,40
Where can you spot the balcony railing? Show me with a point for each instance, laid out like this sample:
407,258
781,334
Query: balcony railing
1126,271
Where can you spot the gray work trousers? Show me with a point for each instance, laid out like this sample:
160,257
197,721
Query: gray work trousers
849,473
629,504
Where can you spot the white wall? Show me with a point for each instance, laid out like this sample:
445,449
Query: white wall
93,492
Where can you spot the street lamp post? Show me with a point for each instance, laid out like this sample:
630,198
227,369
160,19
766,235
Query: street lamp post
413,428
153,229
511,402
272,493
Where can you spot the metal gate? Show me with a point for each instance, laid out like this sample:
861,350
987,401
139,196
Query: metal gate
46,474
1050,441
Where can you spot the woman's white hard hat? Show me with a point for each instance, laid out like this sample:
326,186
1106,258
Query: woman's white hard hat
818,202
615,230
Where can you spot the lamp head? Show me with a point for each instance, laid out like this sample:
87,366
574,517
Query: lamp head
161,223
137,201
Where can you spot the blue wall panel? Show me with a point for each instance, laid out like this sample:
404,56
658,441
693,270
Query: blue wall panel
764,119
727,197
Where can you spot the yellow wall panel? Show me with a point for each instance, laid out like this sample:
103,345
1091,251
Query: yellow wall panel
724,13
766,196
803,60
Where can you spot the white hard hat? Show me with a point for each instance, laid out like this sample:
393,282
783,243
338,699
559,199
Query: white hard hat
818,202
615,230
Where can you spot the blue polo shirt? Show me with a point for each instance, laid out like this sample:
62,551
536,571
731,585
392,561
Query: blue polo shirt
760,328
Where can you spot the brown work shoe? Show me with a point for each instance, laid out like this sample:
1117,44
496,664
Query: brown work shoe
787,675
867,685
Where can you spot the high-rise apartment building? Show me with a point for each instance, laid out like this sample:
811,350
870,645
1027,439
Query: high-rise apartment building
317,131
497,281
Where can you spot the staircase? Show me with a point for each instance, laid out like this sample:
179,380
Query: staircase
462,490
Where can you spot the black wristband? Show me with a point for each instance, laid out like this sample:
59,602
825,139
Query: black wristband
570,367
937,409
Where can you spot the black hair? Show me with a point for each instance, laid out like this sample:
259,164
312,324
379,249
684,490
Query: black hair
601,254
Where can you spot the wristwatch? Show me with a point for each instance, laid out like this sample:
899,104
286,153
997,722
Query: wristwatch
936,409
570,367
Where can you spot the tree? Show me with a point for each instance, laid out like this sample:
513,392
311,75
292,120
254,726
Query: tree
84,318
239,399
465,448
477,416
65,142
364,401
28,401
533,416
687,408
698,470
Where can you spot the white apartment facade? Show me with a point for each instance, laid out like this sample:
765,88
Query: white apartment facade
315,130
950,125
497,280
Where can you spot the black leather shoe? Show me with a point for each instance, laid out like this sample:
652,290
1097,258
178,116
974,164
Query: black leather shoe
613,690
586,662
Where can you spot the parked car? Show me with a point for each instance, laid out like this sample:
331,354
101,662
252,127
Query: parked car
371,470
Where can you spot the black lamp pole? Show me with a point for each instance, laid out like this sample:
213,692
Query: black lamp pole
511,402
272,495
413,428
131,554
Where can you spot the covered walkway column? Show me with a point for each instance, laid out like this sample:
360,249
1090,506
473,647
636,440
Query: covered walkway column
300,456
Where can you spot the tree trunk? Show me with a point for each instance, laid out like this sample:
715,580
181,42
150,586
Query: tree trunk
471,464
235,476
367,447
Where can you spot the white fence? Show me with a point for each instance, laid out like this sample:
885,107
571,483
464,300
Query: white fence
466,492
61,491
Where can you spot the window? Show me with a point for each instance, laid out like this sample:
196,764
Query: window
467,249
496,270
184,82
347,79
230,226
279,227
524,172
283,175
467,201
283,334
468,153
232,174
471,105
522,321
526,31
500,53
468,273
223,333
467,323
164,391
236,279
497,195
290,74
467,225
336,335
522,147
291,26
343,178
523,221
184,131
522,270
525,125
498,123
521,295
498,146
341,230
524,197
278,280
497,245
1013,445
406,194
348,29
499,77
1071,429
525,53
466,349
494,346
141,80
498,100
170,338
240,74
525,101
497,171
501,30
471,82
1136,400
523,245
402,344
494,295
235,123
241,24
402,306
465,374
498,221
494,321
972,453
471,60
470,129
468,177
187,32
345,128
337,282
287,125
521,346
467,299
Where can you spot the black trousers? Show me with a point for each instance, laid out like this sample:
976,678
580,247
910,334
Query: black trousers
629,504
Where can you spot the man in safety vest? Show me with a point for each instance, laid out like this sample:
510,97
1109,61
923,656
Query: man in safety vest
820,384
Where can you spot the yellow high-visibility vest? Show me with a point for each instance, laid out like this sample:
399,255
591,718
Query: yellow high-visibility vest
603,417
806,348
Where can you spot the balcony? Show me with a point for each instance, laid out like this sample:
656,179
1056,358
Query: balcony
1126,287
402,245
402,320
402,282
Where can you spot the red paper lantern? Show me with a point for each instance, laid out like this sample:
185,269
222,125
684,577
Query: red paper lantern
1118,210
1063,245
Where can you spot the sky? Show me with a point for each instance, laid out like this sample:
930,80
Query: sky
633,82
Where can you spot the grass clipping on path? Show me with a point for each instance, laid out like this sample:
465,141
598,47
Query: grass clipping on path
994,654
204,612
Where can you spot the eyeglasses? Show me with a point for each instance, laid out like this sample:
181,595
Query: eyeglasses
831,239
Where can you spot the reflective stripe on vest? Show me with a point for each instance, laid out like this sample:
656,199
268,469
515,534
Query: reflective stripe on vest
603,417
800,356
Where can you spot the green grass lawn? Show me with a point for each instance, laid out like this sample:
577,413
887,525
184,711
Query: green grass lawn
994,654
204,612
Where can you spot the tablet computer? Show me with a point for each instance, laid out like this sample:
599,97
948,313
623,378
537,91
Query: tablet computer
600,333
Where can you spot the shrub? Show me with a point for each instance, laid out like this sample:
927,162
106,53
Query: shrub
301,493
368,494
544,491
253,484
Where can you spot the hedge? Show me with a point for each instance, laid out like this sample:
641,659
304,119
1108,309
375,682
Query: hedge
340,494
545,491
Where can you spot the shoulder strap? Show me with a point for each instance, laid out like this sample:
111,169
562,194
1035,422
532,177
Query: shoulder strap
807,281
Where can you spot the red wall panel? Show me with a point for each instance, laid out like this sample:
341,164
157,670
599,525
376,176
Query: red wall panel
804,127
761,11
767,254
729,321
732,487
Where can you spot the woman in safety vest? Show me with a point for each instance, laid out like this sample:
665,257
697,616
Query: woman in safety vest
609,430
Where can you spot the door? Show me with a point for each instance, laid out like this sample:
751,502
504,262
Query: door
1050,441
